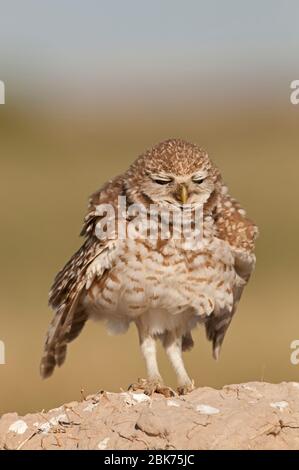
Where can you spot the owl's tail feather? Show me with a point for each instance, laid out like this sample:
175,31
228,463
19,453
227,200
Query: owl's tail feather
187,342
65,327
216,328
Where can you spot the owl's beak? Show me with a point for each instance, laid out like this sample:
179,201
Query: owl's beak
183,194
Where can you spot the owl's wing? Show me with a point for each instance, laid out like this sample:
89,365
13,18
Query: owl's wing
92,260
240,233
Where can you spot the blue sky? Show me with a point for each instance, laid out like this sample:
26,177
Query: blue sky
130,41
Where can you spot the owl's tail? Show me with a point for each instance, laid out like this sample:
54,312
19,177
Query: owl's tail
64,328
187,342
216,328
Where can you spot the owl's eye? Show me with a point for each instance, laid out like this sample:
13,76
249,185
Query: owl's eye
198,180
162,180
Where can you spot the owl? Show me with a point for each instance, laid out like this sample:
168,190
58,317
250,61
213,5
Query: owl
166,284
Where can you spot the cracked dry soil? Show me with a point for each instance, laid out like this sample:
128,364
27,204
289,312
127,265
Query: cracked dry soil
254,415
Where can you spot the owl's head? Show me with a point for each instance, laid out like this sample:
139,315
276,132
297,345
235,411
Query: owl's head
174,173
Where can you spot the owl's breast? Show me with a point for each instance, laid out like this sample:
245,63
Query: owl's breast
151,275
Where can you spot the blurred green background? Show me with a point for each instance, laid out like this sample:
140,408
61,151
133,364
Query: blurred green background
90,86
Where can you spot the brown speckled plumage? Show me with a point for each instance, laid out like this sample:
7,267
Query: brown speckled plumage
164,286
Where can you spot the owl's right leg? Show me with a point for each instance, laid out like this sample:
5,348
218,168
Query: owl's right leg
154,381
173,347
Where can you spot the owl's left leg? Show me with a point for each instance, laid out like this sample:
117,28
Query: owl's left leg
173,348
154,381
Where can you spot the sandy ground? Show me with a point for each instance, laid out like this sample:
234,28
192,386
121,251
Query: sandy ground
254,415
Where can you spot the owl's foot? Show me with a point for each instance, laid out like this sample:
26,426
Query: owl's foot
186,388
152,386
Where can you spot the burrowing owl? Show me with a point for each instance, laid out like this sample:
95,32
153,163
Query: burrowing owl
166,285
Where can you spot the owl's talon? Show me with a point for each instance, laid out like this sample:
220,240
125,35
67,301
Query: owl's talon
141,384
186,388
166,391
149,387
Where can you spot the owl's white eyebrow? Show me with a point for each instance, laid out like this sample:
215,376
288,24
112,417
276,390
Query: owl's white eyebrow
160,177
199,176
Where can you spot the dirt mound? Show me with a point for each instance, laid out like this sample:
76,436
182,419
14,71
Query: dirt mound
247,416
